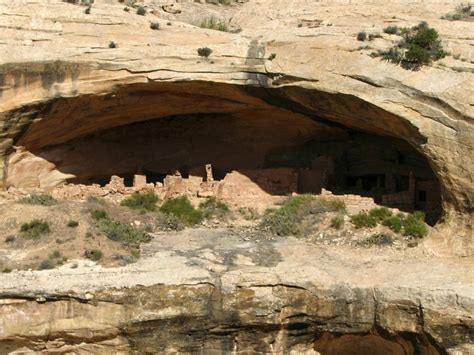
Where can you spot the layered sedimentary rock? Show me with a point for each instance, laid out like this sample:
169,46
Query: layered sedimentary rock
60,80
210,291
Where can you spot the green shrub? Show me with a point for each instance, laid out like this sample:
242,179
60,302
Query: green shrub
141,11
72,224
415,227
142,202
122,232
204,52
182,208
214,23
35,228
272,56
394,55
380,213
363,220
38,199
213,208
380,239
46,265
361,36
421,45
6,270
155,25
337,222
419,215
98,214
286,220
391,30
93,254
395,223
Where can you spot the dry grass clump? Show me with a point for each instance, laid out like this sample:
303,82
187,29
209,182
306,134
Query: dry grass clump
287,220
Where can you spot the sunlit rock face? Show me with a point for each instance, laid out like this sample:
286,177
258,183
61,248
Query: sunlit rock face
59,83
293,90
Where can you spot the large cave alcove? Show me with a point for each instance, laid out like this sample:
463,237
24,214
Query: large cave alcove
156,129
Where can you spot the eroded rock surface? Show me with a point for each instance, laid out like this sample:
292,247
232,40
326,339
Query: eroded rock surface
205,290
59,79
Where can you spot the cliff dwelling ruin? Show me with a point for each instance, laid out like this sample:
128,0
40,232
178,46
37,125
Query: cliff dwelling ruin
253,140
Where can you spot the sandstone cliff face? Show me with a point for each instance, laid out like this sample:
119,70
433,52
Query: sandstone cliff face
60,80
212,292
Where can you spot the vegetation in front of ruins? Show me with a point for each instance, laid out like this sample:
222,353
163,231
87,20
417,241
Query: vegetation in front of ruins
287,219
462,11
142,202
34,228
38,199
249,214
380,213
395,223
168,221
363,220
122,232
420,46
414,225
337,222
212,208
411,224
183,210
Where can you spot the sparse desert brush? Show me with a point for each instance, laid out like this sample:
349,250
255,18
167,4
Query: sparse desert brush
420,46
98,214
286,220
215,23
182,208
38,199
141,11
337,222
211,207
141,201
391,30
362,36
379,239
155,25
363,220
167,221
122,232
34,228
93,254
46,265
